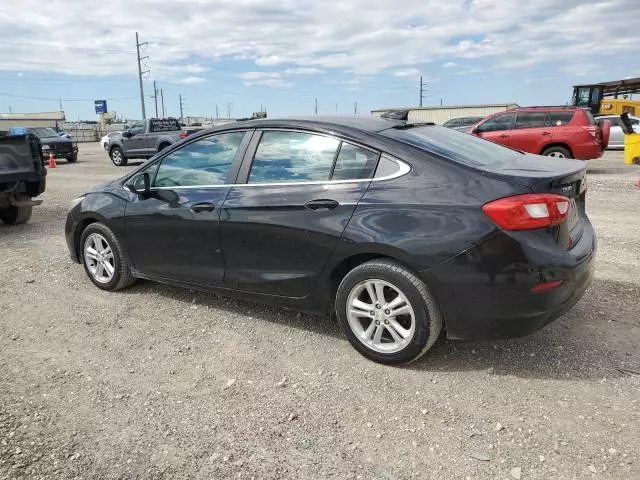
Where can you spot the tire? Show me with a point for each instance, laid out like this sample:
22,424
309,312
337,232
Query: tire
163,146
73,158
13,215
558,152
117,157
121,276
421,330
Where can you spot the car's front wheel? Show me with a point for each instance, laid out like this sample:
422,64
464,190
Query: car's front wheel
104,258
387,313
117,157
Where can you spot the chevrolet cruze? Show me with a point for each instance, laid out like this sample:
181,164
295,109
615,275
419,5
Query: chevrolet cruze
402,231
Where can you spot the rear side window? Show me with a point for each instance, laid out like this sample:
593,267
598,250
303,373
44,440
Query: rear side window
558,119
461,147
590,117
531,120
293,157
354,163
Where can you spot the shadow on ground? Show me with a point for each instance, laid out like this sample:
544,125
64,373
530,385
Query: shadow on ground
589,342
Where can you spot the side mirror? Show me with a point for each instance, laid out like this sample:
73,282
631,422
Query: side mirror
136,187
126,134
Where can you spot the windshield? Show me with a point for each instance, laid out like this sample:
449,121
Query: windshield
458,146
44,132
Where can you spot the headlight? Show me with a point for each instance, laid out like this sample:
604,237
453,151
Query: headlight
75,201
46,147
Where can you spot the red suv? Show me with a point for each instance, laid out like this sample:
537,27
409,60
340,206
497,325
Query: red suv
566,132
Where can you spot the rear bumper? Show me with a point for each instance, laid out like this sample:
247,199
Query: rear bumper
485,292
587,151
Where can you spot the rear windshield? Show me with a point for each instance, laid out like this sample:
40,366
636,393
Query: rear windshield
461,147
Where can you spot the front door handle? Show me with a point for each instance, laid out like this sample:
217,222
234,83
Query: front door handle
203,207
322,204
504,136
546,133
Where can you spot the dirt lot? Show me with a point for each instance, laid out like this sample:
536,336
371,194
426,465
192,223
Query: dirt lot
159,382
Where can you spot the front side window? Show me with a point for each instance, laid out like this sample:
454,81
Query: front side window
136,129
206,161
531,120
495,124
293,157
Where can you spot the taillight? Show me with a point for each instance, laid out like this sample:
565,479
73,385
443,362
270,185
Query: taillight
593,131
183,135
529,211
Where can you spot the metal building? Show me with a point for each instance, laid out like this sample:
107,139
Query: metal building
44,119
441,114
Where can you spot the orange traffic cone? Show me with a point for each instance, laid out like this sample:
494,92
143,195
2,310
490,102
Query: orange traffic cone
52,160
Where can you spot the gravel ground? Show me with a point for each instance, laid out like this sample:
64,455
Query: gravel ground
159,382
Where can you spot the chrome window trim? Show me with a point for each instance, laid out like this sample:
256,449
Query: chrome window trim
404,169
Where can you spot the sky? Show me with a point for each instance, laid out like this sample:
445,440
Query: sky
244,55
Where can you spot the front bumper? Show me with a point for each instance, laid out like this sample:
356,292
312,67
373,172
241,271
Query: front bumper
485,292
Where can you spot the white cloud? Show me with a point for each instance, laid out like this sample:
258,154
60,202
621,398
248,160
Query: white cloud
189,80
449,64
304,37
412,72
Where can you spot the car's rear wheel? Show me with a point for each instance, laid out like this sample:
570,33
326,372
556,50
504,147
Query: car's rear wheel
387,313
557,152
105,260
117,157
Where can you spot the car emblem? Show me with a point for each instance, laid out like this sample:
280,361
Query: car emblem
567,189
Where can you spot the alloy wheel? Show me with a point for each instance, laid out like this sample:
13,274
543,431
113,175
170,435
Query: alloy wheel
116,156
99,258
556,155
381,316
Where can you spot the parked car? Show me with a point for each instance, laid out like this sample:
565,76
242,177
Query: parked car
566,132
106,140
144,140
22,177
399,230
616,138
462,124
50,142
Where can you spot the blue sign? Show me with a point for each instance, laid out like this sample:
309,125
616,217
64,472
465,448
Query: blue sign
101,106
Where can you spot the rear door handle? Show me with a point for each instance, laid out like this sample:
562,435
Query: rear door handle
322,204
546,133
203,207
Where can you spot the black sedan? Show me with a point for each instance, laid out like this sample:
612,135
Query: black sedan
400,230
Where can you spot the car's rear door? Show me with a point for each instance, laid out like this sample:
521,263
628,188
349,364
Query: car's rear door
498,129
173,233
295,195
531,132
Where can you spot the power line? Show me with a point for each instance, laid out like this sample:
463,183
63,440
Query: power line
55,99
66,47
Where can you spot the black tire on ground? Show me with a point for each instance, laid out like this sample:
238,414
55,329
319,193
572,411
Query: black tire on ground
122,277
117,157
559,152
73,158
163,146
428,317
13,215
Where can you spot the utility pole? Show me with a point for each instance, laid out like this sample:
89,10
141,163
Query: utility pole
140,73
60,102
217,111
355,108
316,106
229,110
422,91
162,100
181,114
155,96
336,108
9,108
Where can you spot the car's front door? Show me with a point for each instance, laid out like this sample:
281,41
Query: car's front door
173,231
497,129
531,132
295,195
133,142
